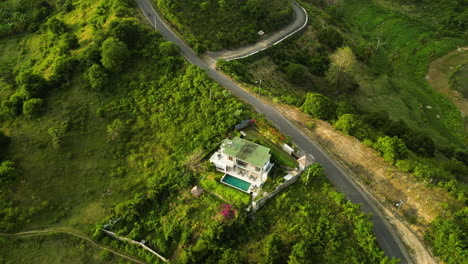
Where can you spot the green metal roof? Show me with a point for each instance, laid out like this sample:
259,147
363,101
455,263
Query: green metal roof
247,151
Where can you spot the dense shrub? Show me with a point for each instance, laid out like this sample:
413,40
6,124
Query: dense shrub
319,106
56,26
330,37
449,237
352,125
114,54
33,107
8,174
34,84
97,77
295,73
391,148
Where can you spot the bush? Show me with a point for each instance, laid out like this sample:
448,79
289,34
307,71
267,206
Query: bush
34,84
295,73
56,26
68,42
319,106
352,125
449,237
168,48
114,54
406,165
4,140
330,37
391,148
7,174
33,107
97,77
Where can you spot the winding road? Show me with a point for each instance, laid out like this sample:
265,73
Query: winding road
386,236
299,22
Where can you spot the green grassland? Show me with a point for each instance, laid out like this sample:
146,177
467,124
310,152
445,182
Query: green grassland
221,24
410,46
53,249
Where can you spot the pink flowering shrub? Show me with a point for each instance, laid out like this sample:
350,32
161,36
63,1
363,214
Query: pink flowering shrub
228,211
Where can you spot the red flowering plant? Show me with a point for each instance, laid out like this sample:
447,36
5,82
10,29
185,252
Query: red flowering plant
270,132
228,211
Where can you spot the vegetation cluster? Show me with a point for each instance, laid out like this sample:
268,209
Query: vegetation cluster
221,24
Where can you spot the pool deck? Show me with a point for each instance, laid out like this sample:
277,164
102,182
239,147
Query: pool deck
253,189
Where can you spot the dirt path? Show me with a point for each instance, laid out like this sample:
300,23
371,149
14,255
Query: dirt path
75,233
438,75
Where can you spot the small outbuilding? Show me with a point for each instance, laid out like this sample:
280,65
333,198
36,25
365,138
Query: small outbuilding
305,161
196,191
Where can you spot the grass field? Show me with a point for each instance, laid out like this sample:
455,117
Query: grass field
52,249
400,87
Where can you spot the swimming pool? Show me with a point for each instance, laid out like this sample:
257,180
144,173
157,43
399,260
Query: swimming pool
236,183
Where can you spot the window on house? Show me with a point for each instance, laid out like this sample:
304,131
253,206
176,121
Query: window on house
230,158
241,163
257,169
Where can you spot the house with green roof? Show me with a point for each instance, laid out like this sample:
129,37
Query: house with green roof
246,165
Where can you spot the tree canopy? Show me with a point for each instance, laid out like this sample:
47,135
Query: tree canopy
319,106
391,148
114,54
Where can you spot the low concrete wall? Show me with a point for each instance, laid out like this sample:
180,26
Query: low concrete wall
128,240
256,205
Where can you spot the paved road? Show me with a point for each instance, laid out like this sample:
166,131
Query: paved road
386,236
299,22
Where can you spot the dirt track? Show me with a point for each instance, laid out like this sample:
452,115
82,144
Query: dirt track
71,232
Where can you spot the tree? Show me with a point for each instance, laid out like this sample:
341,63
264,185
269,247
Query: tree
62,69
115,130
319,106
352,125
33,107
128,31
330,37
419,143
272,250
342,67
168,48
391,148
114,54
34,84
315,171
56,26
295,72
4,140
97,77
7,174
